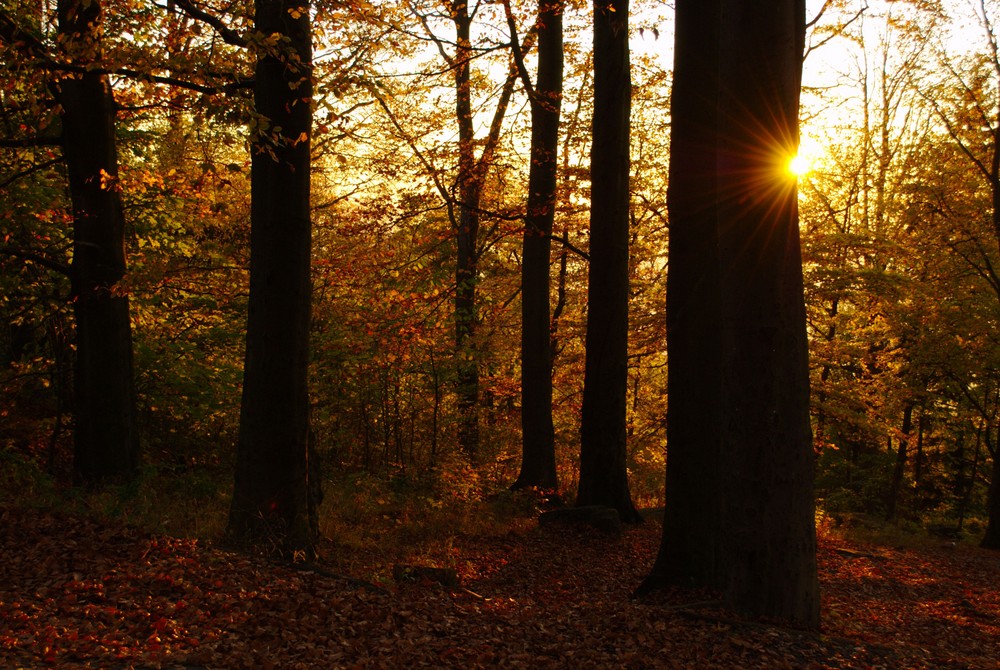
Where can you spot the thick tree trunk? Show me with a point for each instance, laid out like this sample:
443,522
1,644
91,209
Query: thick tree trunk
106,443
603,468
538,461
740,471
277,489
770,541
692,517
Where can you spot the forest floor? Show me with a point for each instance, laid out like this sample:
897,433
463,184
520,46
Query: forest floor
76,592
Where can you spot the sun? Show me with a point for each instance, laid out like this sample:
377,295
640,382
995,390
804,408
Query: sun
799,165
804,161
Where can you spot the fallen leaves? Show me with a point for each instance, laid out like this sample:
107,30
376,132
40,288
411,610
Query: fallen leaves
76,593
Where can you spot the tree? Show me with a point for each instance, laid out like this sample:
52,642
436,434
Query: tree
770,540
603,468
538,460
106,441
972,121
464,200
470,186
693,506
277,486
763,537
865,271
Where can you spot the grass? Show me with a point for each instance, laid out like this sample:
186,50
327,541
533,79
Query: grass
368,521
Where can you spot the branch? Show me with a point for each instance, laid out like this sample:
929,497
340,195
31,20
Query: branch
517,52
434,38
28,142
231,87
29,171
51,264
988,274
228,35
953,133
14,34
154,78
445,195
496,125
839,30
564,240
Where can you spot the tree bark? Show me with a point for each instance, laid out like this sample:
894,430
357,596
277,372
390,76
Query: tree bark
538,460
693,507
769,538
603,468
106,442
277,484
740,514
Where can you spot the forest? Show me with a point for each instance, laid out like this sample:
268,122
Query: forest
649,334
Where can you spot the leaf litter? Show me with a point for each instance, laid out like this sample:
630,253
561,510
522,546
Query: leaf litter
81,593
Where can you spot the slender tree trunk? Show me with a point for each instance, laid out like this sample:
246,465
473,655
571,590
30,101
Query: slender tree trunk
918,459
603,468
106,443
466,268
538,461
769,538
276,493
992,538
892,498
692,516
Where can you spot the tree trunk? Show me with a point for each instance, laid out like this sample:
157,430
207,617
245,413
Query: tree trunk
538,461
918,459
276,493
992,538
466,267
106,443
692,517
603,468
768,459
892,498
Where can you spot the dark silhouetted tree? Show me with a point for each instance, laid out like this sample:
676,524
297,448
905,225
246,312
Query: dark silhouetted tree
693,505
538,460
603,468
106,441
277,491
761,545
